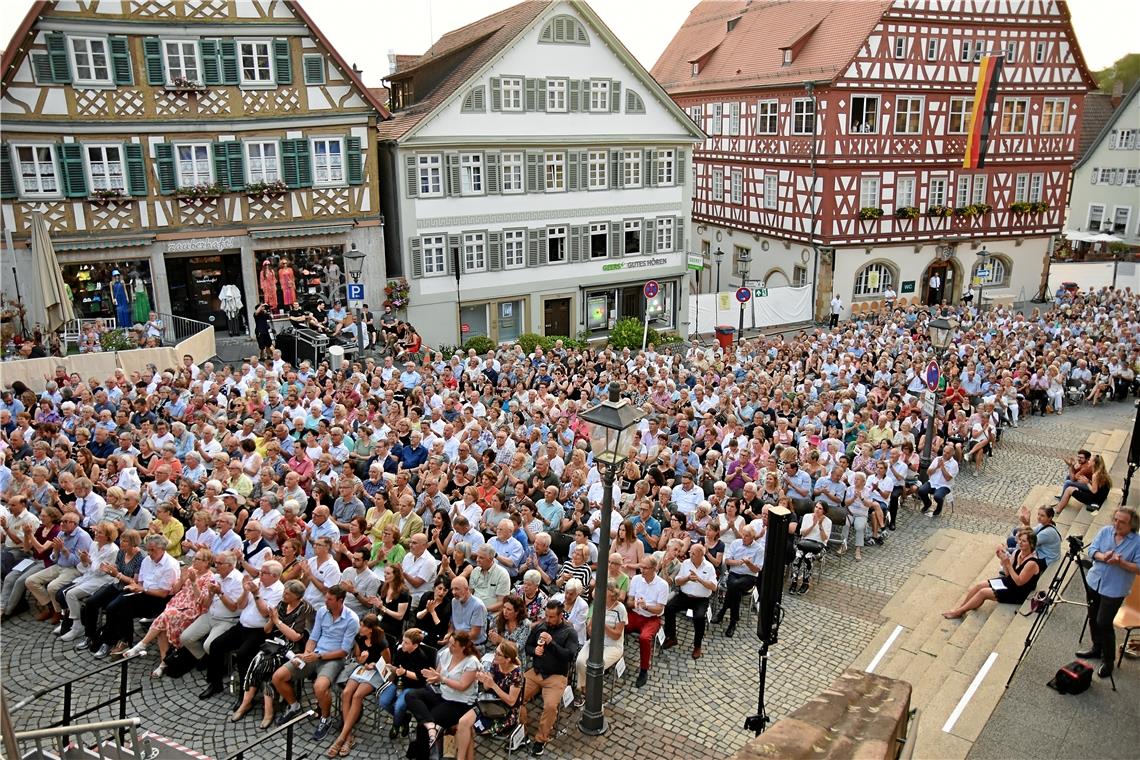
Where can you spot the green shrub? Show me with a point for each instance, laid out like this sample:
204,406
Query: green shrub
481,343
116,340
666,338
568,343
529,340
448,349
628,332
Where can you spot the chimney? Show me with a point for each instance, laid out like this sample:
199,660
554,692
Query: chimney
1117,93
391,61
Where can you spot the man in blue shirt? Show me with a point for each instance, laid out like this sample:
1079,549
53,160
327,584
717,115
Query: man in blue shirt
69,548
468,613
1115,553
645,526
334,630
413,455
409,378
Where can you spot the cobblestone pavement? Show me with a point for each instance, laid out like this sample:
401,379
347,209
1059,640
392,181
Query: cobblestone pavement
689,709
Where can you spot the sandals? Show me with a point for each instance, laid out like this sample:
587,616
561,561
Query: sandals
334,750
433,732
346,748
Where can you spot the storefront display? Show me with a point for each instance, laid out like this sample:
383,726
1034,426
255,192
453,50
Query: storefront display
604,307
113,290
300,275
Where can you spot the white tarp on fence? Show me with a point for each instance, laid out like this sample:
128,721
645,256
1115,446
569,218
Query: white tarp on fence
1094,274
781,306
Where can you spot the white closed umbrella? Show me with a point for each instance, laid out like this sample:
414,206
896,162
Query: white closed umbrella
57,307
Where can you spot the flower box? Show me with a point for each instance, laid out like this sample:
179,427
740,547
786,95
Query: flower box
108,196
906,212
197,192
1020,207
1038,207
870,213
263,189
396,294
185,85
940,212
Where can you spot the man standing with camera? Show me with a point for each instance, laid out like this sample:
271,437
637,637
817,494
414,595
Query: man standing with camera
1115,553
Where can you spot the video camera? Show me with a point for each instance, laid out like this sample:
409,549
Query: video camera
1076,546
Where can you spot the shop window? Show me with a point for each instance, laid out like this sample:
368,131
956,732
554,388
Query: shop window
473,321
632,241
599,240
302,275
90,286
511,321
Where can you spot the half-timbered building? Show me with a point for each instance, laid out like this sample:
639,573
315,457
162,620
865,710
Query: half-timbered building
189,145
836,134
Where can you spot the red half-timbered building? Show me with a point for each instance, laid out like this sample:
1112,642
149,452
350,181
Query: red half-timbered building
835,138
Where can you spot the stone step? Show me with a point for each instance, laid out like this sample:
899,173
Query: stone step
990,691
898,602
932,741
886,630
986,638
1116,439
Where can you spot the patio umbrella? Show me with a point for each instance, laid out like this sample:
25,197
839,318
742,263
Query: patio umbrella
57,307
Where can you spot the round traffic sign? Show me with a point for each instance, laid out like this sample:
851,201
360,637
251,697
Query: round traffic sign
744,295
933,375
651,289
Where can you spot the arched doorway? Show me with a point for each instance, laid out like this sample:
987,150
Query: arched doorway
950,282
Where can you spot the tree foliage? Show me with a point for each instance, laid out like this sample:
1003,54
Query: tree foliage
1126,70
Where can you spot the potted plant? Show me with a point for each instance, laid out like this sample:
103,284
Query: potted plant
906,212
982,208
939,212
1020,207
200,191
1039,207
182,84
870,213
106,195
259,189
396,294
966,211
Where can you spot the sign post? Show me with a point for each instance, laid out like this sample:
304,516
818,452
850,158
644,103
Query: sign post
651,289
933,375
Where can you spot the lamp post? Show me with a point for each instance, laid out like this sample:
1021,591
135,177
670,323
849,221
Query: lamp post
743,260
983,255
719,256
612,424
939,331
354,264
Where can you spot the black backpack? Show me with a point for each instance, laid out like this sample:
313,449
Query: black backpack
1074,678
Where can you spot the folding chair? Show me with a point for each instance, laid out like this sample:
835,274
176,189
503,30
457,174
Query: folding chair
1128,618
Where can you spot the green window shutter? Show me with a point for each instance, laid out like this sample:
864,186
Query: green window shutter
74,180
296,166
57,55
152,55
679,167
222,164
7,176
228,62
417,257
211,64
304,162
615,97
282,61
234,160
136,169
496,95
121,61
531,89
314,66
354,161
41,68
494,251
575,98
412,176
164,167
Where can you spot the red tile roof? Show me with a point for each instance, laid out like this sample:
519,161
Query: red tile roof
826,35
1097,112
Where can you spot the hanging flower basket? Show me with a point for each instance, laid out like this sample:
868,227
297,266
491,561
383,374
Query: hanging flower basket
397,294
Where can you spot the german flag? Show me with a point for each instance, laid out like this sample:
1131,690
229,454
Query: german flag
978,141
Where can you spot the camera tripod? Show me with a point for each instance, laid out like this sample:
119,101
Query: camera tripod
1053,597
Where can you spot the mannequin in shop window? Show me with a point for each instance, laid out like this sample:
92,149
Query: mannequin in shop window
288,284
268,282
334,283
139,298
120,299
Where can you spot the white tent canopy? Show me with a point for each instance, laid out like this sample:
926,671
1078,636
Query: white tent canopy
1091,237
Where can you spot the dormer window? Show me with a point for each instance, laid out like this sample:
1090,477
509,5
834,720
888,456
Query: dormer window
696,68
732,22
788,56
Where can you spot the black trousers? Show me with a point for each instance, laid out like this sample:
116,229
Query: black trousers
430,707
680,602
738,585
893,505
1102,611
95,604
124,611
243,642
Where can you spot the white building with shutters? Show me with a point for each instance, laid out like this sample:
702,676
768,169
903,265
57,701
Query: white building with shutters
539,177
188,146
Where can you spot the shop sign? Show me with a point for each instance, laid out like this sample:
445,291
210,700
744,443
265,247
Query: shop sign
695,261
465,328
190,245
634,264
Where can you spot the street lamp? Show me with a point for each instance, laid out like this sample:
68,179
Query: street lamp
719,256
939,331
612,425
354,263
982,256
744,259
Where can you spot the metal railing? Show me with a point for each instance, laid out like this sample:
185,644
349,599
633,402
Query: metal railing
67,686
56,739
174,328
287,728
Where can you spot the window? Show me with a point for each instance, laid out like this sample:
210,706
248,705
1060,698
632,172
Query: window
694,69
556,95
261,160
555,164
1096,216
1131,177
664,228
1036,182
90,60
901,47
868,192
908,115
803,116
789,56
737,189
799,276
511,89
665,167
697,114
995,272
865,113
936,191
105,165
565,30
1013,115
514,249
933,48
1039,53
181,58
766,113
255,61
328,161
739,252
435,254
718,184
1011,52
556,245
599,240
979,194
431,175
716,119
193,164
960,111
872,280
599,95
632,242
1021,188
512,169
474,252
37,170
1120,217
597,170
966,51
1125,140
770,183
471,173
631,168
904,192
734,118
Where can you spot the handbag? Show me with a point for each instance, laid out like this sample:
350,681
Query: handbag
489,706
275,647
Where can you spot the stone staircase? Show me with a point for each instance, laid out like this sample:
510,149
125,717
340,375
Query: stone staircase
958,668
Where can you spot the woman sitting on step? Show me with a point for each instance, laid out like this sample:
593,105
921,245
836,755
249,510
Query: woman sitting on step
1017,580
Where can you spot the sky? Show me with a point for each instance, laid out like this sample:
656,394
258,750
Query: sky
365,31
